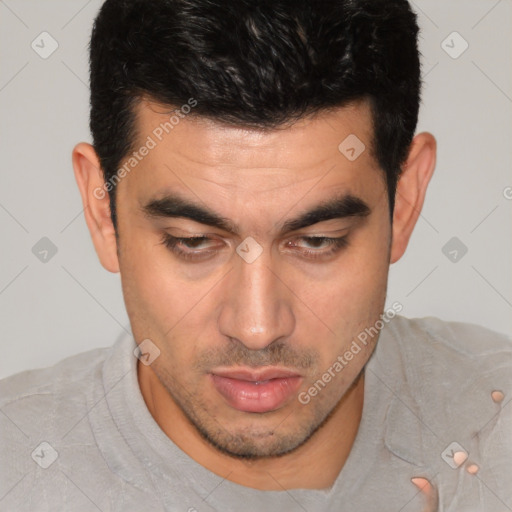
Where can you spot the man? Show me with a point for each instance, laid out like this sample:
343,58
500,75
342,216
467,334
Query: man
254,173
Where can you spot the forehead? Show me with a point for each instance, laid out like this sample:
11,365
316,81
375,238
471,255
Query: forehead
296,144
206,158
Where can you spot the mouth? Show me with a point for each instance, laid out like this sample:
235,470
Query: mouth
260,391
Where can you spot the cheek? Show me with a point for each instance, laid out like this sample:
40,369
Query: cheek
350,299
163,306
154,298
356,281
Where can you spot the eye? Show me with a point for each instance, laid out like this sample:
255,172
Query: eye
188,248
196,248
330,246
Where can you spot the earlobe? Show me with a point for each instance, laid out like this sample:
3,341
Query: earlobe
95,200
411,190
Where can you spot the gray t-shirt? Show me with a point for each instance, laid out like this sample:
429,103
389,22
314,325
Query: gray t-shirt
78,436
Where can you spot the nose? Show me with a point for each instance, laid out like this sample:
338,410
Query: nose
256,307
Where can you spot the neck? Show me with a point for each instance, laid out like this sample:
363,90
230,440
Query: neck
320,459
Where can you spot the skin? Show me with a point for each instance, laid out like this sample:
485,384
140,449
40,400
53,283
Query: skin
283,309
429,492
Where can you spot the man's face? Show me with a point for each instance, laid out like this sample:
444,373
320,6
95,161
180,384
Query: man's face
285,301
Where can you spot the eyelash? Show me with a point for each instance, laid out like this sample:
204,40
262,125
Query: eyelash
172,242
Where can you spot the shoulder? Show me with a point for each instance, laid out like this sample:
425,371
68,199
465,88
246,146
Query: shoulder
460,342
38,407
64,374
34,399
450,363
49,428
451,383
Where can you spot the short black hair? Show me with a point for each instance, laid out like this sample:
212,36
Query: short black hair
255,63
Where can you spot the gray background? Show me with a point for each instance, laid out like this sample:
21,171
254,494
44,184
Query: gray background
69,303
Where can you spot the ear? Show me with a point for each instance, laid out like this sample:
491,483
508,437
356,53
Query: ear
95,200
411,189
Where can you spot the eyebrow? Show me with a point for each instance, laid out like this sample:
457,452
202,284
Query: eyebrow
175,206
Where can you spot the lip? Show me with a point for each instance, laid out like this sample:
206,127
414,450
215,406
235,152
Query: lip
255,375
260,391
